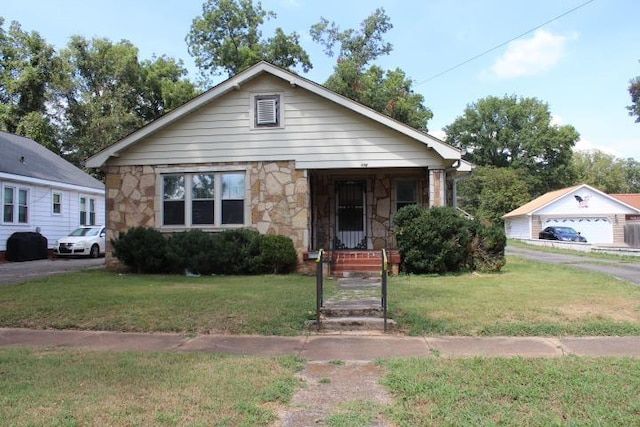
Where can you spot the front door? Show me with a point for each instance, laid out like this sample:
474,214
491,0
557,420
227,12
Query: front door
351,215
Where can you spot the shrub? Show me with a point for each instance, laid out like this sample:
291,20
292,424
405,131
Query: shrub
239,252
193,250
440,240
487,248
278,254
144,250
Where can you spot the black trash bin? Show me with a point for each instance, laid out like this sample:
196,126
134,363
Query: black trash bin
26,246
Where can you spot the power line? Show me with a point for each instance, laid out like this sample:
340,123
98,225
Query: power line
504,43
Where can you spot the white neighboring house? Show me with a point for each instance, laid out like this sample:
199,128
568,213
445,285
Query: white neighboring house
43,192
599,217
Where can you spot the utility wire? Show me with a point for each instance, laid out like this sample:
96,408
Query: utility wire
505,43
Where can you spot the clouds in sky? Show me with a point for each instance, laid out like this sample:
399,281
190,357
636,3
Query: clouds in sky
525,57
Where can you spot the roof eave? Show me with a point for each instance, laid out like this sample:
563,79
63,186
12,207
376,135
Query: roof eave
443,149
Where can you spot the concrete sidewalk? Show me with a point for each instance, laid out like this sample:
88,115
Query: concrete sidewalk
348,347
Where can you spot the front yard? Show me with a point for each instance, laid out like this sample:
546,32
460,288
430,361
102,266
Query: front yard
52,386
526,298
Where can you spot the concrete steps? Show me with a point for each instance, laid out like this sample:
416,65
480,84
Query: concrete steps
357,306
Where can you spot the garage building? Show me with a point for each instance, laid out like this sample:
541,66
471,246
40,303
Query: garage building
599,217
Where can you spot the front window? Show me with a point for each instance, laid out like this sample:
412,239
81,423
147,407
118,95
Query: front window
15,205
210,198
406,193
203,199
233,198
174,192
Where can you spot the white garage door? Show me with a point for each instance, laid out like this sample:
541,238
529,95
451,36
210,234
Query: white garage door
594,229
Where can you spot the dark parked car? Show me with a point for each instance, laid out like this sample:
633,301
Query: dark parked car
566,234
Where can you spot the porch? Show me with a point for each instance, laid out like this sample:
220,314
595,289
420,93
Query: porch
354,210
351,214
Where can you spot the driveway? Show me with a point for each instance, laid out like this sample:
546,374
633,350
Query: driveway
625,270
16,272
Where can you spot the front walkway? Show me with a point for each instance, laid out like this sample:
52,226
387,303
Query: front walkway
346,347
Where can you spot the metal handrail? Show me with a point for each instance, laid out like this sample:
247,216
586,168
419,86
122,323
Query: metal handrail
384,275
319,286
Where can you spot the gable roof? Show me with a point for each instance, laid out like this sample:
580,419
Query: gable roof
550,197
542,201
25,157
443,149
630,199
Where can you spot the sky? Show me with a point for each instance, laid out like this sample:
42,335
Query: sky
579,64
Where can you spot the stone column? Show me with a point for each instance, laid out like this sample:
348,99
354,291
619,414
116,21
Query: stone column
436,188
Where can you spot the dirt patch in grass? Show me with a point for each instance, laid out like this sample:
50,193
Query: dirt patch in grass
624,312
335,392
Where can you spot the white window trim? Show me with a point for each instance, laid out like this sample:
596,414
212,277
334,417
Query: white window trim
216,170
16,204
53,203
252,111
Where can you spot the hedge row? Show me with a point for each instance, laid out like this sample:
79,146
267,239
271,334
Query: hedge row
238,251
441,240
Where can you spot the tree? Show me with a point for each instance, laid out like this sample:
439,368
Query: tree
492,192
634,91
110,93
29,68
227,38
388,92
359,47
516,133
606,172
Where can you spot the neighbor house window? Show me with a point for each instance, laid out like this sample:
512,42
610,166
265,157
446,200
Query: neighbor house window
15,205
267,111
57,203
87,211
211,198
406,193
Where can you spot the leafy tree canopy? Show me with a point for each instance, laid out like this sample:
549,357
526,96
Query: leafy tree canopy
516,133
606,172
634,91
492,192
110,93
227,38
388,92
29,67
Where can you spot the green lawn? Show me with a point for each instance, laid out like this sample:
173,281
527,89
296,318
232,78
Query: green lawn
52,387
526,298
64,387
99,300
569,391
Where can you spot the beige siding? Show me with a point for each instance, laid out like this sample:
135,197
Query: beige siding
316,134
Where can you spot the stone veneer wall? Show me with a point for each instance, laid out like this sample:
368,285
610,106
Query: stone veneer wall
131,192
279,201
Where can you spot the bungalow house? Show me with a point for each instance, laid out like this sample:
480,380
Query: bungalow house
599,217
271,150
43,192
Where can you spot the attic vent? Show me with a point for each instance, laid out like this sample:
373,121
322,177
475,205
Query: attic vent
267,110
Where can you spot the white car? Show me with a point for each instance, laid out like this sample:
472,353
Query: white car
86,240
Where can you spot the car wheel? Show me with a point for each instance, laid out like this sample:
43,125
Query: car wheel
95,251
